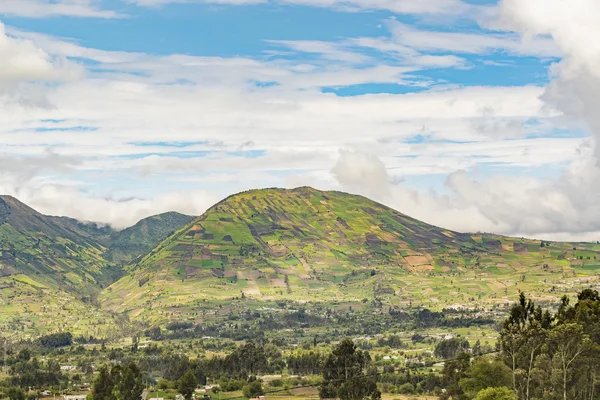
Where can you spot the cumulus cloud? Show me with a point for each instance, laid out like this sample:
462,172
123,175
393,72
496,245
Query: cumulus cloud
30,179
562,208
575,28
23,65
62,200
362,172
184,122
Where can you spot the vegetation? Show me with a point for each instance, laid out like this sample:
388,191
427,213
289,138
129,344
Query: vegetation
52,269
299,292
540,354
347,375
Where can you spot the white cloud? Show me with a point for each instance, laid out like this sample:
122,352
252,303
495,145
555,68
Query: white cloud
63,200
25,68
112,124
472,43
575,27
54,8
364,172
562,208
446,7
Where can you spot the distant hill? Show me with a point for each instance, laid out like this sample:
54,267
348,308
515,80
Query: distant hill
139,239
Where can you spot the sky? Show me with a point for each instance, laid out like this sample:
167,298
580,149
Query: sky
474,115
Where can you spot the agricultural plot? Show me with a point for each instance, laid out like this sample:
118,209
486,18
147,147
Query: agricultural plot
322,248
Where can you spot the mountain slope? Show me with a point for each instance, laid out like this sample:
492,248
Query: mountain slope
262,247
53,251
266,242
142,237
52,268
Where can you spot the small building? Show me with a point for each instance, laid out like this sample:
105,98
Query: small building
68,368
75,397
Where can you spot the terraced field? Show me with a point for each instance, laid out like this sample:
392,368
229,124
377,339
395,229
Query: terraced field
258,248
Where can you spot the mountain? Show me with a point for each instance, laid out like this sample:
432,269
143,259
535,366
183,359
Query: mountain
139,239
54,251
270,248
334,248
52,268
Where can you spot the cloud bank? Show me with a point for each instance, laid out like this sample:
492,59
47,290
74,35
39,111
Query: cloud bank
139,134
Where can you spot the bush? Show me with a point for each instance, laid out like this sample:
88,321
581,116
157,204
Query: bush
502,393
165,384
253,389
231,385
407,388
15,393
57,340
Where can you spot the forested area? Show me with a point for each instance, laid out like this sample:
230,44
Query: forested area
540,354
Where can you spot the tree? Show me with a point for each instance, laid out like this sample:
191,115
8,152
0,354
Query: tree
253,389
450,348
131,385
501,393
485,373
187,384
569,344
103,386
120,383
16,393
554,356
345,374
453,372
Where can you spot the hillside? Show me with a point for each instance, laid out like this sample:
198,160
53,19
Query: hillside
139,239
302,245
52,268
53,251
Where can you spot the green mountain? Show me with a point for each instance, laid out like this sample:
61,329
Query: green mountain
139,239
52,268
263,249
332,248
55,252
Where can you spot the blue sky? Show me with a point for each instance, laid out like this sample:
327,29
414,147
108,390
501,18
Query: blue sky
116,109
